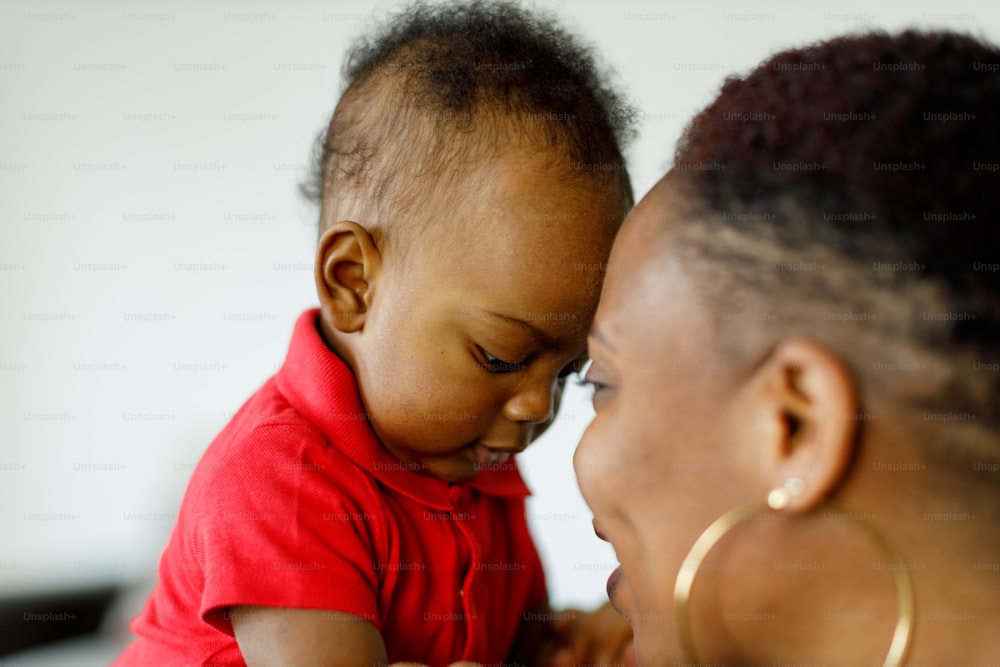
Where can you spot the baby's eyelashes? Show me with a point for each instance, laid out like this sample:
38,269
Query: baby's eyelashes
494,364
498,366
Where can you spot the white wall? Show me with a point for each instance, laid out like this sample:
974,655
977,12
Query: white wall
132,186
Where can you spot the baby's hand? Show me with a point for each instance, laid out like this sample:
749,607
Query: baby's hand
599,637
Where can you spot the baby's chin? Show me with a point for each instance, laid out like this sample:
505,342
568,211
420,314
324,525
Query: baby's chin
454,469
455,478
462,465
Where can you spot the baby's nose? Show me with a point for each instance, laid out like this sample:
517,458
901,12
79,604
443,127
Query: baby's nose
534,405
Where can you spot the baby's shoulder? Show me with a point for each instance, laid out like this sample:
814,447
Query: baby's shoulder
269,448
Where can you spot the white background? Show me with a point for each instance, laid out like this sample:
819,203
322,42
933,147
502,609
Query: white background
125,166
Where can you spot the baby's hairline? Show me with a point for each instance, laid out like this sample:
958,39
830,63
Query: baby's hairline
497,149
406,133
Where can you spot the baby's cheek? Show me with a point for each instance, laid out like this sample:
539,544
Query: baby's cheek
557,396
537,430
457,414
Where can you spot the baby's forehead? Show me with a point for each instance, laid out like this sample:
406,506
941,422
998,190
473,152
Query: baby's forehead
518,194
525,229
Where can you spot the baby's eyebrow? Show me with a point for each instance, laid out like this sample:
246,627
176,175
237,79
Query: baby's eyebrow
540,335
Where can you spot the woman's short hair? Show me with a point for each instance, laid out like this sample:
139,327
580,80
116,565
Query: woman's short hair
850,191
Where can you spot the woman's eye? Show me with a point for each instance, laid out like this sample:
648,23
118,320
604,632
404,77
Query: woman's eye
592,386
595,388
496,365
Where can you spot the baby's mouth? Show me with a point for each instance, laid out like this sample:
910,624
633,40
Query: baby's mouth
487,456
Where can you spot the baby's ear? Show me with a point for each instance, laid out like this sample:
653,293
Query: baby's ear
347,262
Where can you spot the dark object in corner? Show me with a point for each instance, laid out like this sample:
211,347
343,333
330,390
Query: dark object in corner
32,620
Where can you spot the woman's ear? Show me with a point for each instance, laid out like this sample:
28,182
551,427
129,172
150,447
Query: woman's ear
811,403
347,262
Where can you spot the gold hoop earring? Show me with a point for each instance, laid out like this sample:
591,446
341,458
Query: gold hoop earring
899,647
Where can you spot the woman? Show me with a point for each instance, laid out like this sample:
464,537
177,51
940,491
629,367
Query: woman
800,333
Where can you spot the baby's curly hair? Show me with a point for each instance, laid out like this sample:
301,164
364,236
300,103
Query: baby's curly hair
850,191
439,88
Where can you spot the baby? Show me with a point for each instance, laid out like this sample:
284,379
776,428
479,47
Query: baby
363,507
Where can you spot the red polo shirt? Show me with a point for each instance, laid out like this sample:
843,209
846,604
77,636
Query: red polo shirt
297,504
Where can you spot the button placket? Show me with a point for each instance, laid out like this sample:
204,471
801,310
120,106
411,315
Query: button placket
461,496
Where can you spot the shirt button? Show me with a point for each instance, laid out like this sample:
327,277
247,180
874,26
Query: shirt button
459,494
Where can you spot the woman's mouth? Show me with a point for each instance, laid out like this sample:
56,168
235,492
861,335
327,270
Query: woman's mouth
613,581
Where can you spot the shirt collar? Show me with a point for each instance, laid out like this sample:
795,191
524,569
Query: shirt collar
322,388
